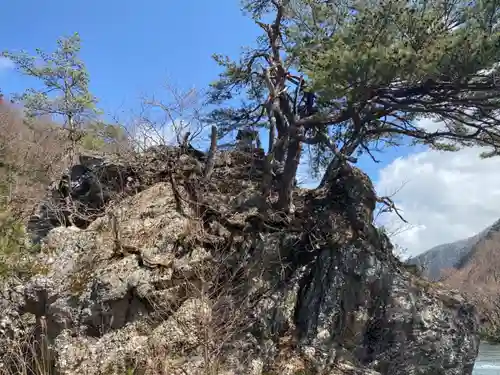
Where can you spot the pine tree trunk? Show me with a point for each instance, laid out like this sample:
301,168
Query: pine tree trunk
290,172
72,137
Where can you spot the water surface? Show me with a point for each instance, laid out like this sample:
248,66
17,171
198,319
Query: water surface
488,361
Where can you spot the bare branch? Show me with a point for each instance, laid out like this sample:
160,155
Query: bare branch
209,164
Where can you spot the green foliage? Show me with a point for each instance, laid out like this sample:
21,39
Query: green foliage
14,251
376,42
65,81
11,244
98,134
376,66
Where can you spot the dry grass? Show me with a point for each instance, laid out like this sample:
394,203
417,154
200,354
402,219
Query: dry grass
213,308
34,153
217,288
31,155
28,353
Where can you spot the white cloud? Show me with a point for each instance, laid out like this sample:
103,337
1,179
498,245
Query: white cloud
446,196
430,125
147,134
6,64
151,137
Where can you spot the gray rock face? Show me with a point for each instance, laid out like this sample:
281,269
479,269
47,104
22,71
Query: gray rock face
80,196
226,292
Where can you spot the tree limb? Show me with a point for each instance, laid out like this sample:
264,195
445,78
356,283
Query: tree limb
209,164
390,207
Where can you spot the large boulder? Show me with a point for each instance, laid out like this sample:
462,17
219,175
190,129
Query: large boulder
80,195
189,278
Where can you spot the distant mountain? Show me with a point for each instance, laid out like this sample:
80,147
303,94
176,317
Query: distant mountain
452,255
472,266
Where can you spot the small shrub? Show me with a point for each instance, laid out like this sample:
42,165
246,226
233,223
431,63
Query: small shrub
15,255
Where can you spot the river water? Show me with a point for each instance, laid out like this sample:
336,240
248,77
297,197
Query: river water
488,361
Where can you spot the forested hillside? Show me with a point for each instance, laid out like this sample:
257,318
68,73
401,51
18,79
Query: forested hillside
471,266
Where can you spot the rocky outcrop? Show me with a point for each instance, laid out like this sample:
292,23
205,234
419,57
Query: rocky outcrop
80,195
186,276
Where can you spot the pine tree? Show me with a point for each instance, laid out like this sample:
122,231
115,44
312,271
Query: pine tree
65,93
365,70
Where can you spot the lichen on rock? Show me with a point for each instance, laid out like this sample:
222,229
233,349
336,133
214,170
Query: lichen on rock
193,278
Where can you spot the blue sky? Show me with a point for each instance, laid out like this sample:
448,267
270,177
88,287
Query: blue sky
131,48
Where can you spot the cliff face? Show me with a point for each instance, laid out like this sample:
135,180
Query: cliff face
181,275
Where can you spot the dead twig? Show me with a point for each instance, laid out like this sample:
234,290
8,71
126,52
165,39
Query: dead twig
390,206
